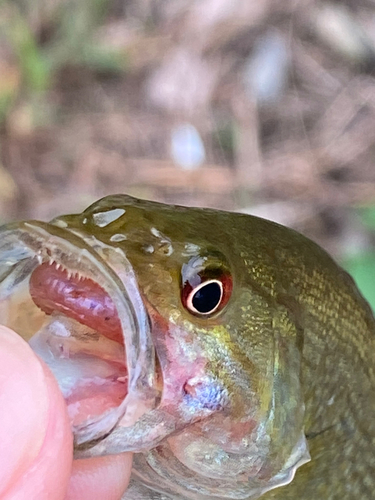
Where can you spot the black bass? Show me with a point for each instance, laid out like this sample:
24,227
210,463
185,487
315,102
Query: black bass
231,354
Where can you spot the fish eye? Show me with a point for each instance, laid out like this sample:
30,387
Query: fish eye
205,298
206,293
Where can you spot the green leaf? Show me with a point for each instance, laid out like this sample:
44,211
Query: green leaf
367,216
362,268
33,64
101,58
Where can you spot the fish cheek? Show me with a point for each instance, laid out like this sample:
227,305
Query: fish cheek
179,357
266,344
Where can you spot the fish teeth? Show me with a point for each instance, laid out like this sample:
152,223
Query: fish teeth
44,257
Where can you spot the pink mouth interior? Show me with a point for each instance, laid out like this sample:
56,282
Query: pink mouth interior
84,301
79,298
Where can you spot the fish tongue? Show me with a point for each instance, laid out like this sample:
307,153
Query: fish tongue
53,288
89,368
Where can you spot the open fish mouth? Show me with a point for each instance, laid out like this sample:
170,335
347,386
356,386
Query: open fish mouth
77,304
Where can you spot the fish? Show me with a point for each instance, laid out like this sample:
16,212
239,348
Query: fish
231,354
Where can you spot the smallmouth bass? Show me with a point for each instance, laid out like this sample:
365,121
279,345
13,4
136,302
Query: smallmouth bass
225,350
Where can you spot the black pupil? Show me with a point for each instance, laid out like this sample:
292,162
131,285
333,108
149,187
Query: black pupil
207,298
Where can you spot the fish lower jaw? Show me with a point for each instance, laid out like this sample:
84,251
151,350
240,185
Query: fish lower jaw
90,369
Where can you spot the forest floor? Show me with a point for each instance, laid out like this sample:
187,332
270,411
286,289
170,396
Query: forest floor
266,107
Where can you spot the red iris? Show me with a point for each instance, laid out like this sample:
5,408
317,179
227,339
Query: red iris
206,293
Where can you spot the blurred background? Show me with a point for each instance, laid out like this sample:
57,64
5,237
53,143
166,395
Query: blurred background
265,106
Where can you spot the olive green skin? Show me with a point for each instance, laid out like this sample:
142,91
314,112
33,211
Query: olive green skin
274,268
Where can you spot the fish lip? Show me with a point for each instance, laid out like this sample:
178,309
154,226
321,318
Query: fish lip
30,243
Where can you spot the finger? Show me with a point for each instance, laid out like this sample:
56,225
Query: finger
100,477
35,436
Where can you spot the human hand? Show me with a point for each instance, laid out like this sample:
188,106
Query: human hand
36,443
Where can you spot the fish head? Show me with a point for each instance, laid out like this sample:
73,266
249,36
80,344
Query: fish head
213,402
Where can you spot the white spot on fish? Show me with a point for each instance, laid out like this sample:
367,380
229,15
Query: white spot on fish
191,249
331,401
116,238
148,248
60,223
165,243
155,232
103,219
